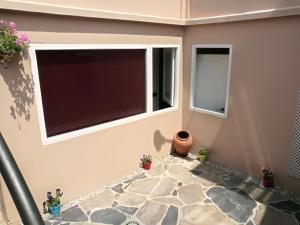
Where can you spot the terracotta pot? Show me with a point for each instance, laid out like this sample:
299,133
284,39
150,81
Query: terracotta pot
146,165
183,142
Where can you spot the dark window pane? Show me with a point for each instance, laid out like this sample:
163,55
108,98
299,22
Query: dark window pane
211,51
81,88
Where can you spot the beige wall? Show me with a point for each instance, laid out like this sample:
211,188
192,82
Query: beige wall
207,8
82,164
165,8
264,80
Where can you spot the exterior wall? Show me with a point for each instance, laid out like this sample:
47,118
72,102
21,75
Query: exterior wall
262,100
166,8
208,8
2,209
79,165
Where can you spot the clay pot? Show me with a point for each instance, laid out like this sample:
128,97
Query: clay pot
146,166
183,142
267,183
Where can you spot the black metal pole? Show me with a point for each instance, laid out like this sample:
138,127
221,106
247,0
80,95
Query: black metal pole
17,187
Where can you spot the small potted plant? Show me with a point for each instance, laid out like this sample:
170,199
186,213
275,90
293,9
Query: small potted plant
202,154
146,161
267,177
10,42
52,204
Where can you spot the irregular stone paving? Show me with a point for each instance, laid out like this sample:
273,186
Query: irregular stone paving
182,191
236,203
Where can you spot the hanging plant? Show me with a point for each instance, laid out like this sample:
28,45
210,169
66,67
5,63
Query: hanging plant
10,42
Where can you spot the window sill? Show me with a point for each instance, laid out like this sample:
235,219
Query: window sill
209,112
104,126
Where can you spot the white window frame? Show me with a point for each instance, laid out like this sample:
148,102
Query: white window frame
193,78
170,100
148,86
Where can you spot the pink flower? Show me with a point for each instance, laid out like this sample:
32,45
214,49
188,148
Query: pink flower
12,25
22,39
14,31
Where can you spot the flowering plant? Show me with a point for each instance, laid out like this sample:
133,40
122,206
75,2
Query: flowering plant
267,174
10,42
146,158
52,201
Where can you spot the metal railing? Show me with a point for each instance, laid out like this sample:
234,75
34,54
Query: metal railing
17,187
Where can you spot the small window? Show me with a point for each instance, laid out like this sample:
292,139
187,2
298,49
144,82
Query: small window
164,70
210,79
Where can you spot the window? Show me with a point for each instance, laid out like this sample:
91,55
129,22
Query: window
164,69
81,88
210,79
86,88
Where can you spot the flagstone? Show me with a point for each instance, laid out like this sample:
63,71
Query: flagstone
261,195
151,213
165,187
114,204
191,193
131,199
203,215
250,223
127,210
166,166
156,171
205,179
233,201
207,201
171,216
181,174
108,216
137,177
118,188
268,216
169,200
144,186
101,200
184,222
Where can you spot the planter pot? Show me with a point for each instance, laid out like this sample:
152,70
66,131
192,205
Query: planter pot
202,158
183,142
55,210
146,166
267,183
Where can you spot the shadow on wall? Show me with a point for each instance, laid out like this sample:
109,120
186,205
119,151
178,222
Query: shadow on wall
160,140
20,85
255,133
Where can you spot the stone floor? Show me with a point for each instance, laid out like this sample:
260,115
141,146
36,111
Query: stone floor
182,191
